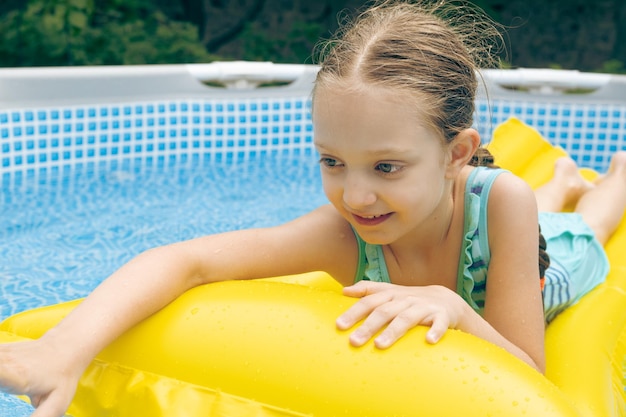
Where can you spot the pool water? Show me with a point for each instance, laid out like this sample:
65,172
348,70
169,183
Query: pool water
62,233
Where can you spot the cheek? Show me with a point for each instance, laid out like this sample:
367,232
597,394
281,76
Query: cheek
424,191
332,187
413,201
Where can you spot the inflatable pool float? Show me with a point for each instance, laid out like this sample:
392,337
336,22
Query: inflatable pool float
270,348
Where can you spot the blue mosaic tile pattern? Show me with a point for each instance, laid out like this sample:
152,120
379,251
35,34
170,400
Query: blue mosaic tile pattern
36,140
589,132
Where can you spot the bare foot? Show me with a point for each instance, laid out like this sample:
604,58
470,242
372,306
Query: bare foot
617,167
568,179
603,207
618,162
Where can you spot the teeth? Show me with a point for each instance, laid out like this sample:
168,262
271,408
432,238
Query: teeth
373,217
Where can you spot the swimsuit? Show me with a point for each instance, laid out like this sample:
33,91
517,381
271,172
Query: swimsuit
578,261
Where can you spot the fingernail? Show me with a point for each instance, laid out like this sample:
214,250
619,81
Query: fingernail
358,338
432,337
382,342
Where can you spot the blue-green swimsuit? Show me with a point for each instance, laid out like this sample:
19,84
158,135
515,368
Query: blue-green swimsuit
577,260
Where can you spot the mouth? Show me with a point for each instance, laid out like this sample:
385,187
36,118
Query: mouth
372,220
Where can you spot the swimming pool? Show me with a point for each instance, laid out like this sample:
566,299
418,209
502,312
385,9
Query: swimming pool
100,164
64,234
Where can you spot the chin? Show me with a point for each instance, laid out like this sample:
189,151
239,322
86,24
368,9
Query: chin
374,238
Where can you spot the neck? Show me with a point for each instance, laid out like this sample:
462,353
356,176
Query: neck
434,233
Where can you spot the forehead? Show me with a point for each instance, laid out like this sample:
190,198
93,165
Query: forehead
367,111
369,97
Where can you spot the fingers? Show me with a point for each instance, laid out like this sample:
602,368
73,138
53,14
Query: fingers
52,405
401,323
411,317
26,368
440,324
395,319
390,314
394,310
45,409
363,288
365,306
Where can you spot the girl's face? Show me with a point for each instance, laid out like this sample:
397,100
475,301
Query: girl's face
382,168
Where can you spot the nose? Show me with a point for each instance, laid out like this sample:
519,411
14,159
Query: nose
358,192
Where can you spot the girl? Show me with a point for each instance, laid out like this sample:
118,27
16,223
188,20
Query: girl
392,111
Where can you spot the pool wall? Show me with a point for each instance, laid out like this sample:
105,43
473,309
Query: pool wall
58,119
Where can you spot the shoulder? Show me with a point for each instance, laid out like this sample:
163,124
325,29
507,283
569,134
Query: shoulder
511,193
506,190
512,212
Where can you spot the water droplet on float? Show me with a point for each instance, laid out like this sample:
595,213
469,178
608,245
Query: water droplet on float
195,310
484,368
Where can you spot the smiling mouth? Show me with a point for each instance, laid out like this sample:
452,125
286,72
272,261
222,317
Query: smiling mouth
371,220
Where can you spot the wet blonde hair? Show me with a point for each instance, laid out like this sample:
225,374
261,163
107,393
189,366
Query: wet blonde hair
430,51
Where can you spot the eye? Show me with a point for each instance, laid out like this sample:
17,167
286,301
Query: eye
329,162
387,168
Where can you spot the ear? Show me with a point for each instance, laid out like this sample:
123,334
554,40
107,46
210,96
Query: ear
461,150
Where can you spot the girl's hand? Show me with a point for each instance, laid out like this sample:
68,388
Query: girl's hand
46,375
399,308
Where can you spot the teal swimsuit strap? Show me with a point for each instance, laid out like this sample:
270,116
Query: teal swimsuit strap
479,183
362,262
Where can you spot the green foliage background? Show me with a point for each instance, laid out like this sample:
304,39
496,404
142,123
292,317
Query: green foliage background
91,32
576,34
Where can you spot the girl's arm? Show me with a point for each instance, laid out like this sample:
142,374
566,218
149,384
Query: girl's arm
48,369
513,314
514,304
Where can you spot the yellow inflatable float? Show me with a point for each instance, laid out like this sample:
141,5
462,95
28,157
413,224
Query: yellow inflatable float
270,348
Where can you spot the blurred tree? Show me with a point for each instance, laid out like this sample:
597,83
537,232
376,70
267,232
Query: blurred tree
295,45
579,34
587,35
95,32
574,34
271,30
